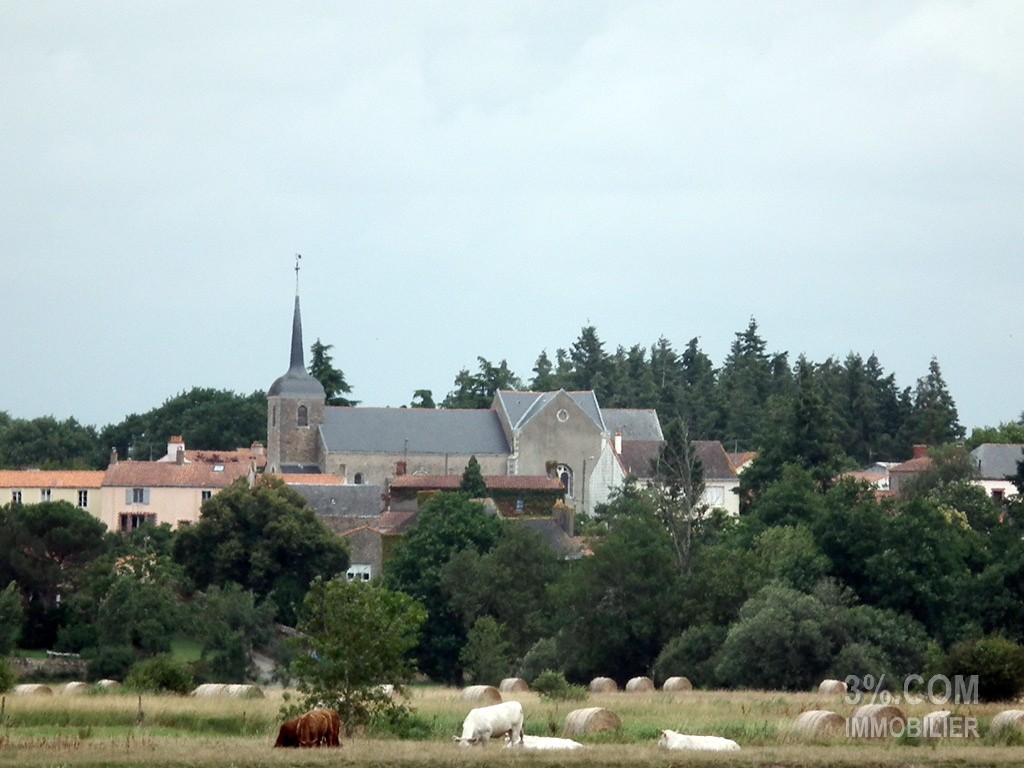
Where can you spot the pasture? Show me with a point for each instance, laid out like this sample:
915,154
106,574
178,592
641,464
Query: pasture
123,730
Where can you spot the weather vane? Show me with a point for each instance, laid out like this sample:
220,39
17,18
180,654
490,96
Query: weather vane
298,257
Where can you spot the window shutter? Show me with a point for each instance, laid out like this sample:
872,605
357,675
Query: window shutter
145,495
127,495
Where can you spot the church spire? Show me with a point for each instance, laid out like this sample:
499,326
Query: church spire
297,381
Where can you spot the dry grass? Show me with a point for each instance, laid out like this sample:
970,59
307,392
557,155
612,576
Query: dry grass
182,731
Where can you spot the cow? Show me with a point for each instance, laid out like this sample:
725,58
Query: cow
673,740
543,742
316,728
496,720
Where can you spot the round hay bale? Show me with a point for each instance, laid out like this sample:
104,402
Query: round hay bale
639,685
832,687
208,690
74,689
819,722
580,722
677,684
603,685
1008,718
483,694
936,725
108,685
32,689
513,685
243,691
888,720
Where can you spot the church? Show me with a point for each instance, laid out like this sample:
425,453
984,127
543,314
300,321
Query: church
544,435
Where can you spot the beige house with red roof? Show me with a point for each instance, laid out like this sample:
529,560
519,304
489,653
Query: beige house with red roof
137,493
33,486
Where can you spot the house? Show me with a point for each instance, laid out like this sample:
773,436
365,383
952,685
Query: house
721,480
996,462
563,435
137,493
513,495
256,454
901,475
33,486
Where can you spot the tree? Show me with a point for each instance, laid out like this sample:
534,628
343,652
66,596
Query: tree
354,637
46,443
230,624
263,538
208,419
473,484
321,368
487,654
679,492
1011,432
46,549
477,390
448,523
934,418
11,616
423,398
591,364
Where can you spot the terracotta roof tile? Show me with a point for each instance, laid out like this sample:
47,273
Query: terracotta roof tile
41,478
310,479
155,474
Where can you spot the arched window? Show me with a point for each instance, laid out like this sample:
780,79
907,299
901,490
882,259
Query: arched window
564,473
303,417
358,479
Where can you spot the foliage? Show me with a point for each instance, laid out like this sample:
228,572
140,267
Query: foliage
543,655
46,548
1011,432
448,523
230,625
423,398
473,484
208,419
553,685
8,678
998,663
12,613
691,653
46,443
321,368
478,390
354,637
487,654
160,674
111,662
679,491
934,419
263,538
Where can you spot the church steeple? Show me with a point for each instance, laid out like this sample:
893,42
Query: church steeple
297,382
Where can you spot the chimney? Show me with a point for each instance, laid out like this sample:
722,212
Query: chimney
618,443
174,443
258,449
400,468
920,451
113,455
179,457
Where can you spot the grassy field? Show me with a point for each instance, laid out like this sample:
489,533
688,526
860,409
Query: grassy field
124,730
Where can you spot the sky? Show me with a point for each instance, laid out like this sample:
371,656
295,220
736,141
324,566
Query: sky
477,178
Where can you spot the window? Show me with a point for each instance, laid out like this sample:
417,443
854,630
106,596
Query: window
359,573
358,479
564,473
83,499
16,497
520,504
273,416
130,520
137,496
997,494
44,494
303,418
205,495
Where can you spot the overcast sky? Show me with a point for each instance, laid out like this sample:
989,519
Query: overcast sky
479,178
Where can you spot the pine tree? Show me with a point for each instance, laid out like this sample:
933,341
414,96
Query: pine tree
321,368
473,480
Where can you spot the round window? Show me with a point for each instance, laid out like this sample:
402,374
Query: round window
562,415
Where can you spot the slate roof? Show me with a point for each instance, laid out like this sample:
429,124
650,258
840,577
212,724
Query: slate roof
638,456
521,407
41,478
357,501
493,482
156,474
427,430
715,460
996,461
633,423
552,534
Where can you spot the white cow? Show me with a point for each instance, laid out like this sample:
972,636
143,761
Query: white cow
543,742
496,720
673,740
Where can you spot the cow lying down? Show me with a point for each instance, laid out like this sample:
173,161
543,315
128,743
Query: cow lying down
673,740
482,723
544,742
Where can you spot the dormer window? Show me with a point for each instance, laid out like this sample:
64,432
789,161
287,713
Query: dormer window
303,417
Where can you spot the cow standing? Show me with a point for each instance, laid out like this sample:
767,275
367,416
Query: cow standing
496,720
316,728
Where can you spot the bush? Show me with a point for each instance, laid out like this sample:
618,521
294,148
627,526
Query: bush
159,674
7,676
553,685
486,655
111,663
542,656
998,663
691,653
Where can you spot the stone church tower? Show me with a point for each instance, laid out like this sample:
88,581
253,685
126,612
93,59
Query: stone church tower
295,411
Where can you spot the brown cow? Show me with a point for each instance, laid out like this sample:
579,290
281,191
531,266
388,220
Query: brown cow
316,728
